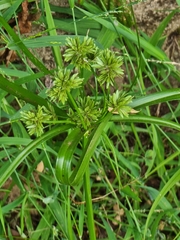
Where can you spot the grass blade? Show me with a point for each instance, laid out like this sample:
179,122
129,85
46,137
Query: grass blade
147,119
93,141
26,95
172,181
155,98
32,146
10,11
52,32
159,31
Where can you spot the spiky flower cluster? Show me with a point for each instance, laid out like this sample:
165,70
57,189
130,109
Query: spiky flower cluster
80,54
118,103
84,111
34,120
86,55
88,109
108,67
62,84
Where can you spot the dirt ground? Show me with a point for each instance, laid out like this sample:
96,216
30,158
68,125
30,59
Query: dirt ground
149,14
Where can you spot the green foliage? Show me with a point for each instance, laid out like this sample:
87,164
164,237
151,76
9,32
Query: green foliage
85,111
120,9
106,129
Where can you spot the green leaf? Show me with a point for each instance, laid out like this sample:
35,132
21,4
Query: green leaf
109,230
11,10
155,98
64,161
7,3
146,119
42,231
159,31
26,95
172,181
157,34
6,173
163,203
71,3
52,32
8,208
104,39
128,192
82,26
65,155
90,147
178,2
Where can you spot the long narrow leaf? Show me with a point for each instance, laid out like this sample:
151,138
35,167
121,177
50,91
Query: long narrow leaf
155,98
172,181
52,32
6,173
159,31
6,3
147,119
82,26
10,11
91,145
25,95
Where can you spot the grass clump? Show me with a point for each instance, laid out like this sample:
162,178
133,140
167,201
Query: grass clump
94,156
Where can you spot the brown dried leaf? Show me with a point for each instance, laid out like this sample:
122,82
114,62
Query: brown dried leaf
7,56
40,167
133,111
34,16
25,26
11,57
3,54
119,213
162,225
23,19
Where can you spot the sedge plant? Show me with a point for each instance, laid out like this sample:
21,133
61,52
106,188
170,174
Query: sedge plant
82,128
87,114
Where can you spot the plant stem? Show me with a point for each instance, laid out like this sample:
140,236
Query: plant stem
74,20
74,105
69,215
52,32
89,208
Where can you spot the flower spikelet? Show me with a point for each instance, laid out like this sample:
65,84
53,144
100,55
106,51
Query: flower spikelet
62,84
80,54
108,67
88,109
34,120
118,103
